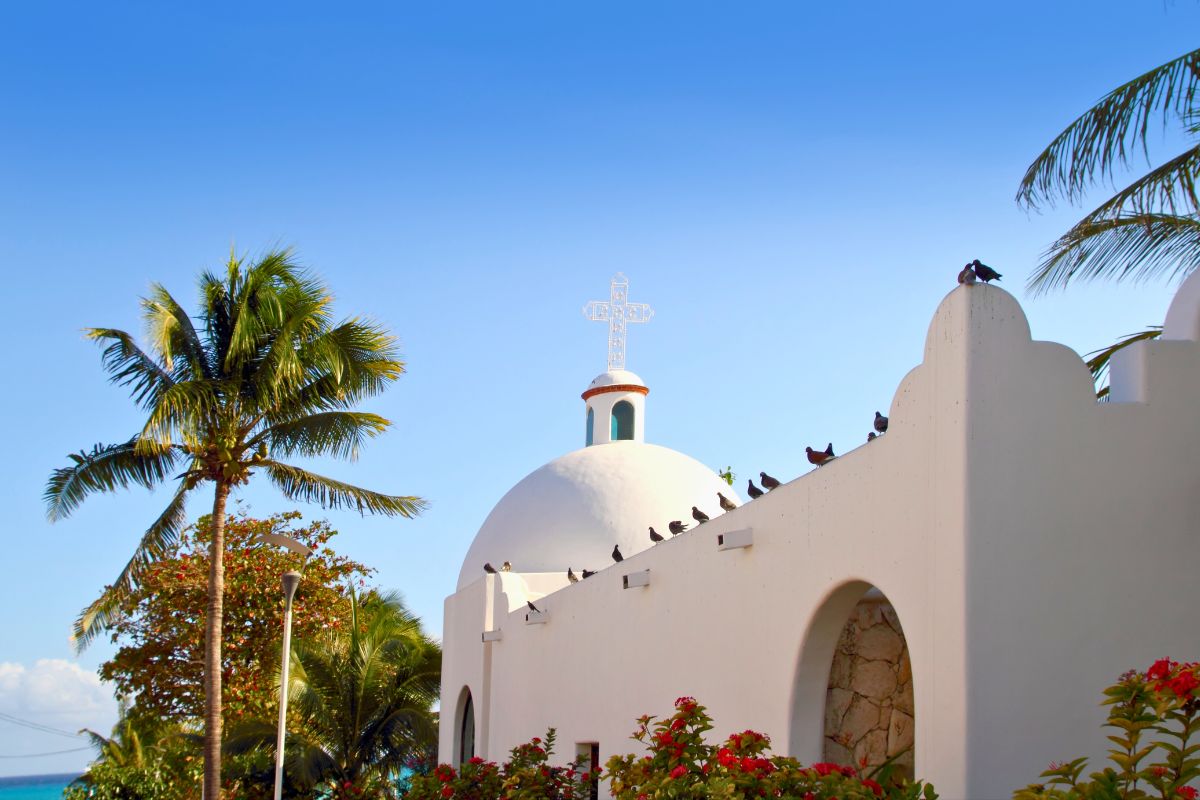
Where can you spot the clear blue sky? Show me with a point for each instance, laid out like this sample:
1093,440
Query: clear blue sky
793,188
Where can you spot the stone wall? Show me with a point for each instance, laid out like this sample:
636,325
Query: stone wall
869,706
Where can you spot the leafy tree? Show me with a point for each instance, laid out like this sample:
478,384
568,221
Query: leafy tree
1147,229
159,623
360,702
266,375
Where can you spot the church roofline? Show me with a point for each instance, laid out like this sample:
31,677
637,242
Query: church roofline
619,387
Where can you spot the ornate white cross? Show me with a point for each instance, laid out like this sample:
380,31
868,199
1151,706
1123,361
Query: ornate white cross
616,312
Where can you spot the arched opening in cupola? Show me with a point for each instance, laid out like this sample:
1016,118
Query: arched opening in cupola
591,426
622,421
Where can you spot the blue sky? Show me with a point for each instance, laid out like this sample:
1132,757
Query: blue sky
792,187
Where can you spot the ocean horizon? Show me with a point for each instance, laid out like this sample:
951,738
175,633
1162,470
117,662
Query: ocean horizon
35,787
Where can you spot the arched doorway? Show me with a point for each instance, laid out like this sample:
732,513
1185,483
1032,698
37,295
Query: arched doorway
464,732
853,699
869,703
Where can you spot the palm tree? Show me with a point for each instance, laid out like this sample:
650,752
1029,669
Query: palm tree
1150,228
267,375
361,699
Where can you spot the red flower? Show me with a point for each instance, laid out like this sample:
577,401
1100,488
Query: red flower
679,771
873,786
1187,792
1183,684
1159,669
447,791
1159,771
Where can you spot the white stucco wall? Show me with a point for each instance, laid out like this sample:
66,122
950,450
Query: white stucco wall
1035,544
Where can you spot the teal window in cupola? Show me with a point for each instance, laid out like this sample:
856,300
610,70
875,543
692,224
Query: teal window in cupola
622,421
591,423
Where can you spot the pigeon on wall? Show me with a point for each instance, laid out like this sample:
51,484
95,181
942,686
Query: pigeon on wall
881,423
655,536
587,573
699,515
676,527
753,490
816,457
871,436
616,554
489,569
726,503
506,567
767,481
532,607
571,576
985,273
967,276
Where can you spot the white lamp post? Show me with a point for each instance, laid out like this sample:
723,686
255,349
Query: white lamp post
291,580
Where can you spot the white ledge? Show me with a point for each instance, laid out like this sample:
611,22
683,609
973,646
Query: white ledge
734,540
635,579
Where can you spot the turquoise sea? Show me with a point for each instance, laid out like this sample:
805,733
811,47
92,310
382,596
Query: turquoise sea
35,787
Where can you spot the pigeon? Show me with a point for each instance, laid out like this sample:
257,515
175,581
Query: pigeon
817,457
616,554
571,576
881,423
768,482
871,436
726,503
655,536
506,567
489,569
532,607
587,573
985,273
967,276
676,527
699,515
753,490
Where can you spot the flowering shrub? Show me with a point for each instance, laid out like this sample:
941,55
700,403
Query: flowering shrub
1156,715
681,764
526,776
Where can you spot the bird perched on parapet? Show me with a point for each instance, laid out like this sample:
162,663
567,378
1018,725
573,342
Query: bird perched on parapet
506,567
871,436
881,423
753,490
767,481
655,536
533,608
967,275
571,576
616,554
489,569
699,515
676,527
985,273
587,573
726,503
818,457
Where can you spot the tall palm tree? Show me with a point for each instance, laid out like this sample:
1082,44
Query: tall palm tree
361,699
266,375
1150,228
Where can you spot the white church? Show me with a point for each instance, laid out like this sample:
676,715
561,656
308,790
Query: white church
957,592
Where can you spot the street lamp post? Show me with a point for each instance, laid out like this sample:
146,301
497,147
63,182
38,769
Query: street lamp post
291,580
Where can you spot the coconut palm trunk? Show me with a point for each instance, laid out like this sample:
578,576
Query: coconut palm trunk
266,375
213,621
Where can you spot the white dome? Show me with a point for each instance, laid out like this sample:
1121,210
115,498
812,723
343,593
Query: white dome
616,377
570,512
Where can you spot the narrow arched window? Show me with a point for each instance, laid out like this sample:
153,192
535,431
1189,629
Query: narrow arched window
466,741
591,422
622,421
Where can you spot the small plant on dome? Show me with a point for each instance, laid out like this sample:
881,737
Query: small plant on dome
727,475
1156,715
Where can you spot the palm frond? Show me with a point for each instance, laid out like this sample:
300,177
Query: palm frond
129,365
182,411
335,433
104,469
1098,361
1102,138
157,541
172,332
1134,246
300,484
1169,188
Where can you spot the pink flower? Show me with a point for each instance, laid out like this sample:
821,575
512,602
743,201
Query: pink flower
679,771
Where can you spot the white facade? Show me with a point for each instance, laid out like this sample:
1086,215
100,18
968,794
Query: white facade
1034,542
